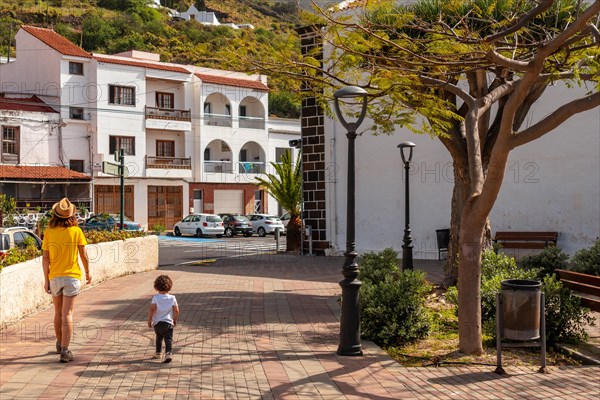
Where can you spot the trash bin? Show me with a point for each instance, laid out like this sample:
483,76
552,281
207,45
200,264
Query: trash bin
521,304
443,239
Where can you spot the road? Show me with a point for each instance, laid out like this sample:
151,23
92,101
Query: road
185,250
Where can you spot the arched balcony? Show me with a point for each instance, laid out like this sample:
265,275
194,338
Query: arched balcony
251,113
218,157
217,110
252,159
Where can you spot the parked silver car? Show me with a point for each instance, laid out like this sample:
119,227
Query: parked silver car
264,224
200,225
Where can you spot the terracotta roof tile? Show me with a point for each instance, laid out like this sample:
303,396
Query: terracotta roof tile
32,103
223,80
56,41
40,172
144,64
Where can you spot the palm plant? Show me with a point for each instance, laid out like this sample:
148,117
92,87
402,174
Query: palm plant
286,187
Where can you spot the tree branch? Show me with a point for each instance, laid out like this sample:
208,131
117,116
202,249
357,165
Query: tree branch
543,6
497,93
515,65
556,118
579,24
466,97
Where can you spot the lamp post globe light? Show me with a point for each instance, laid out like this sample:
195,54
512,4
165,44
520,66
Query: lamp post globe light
350,317
407,247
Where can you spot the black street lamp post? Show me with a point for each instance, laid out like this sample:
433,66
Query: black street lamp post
350,318
407,247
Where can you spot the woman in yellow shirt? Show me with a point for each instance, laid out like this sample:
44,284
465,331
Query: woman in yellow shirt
63,242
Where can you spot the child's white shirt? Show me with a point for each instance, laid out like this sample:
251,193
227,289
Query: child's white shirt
164,308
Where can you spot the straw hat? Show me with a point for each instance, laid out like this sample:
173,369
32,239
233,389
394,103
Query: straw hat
64,209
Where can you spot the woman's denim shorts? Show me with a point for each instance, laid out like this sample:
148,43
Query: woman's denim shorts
65,286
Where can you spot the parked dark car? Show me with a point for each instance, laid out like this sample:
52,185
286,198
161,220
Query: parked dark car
236,224
108,222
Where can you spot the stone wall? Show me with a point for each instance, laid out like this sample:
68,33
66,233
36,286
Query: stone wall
314,172
22,285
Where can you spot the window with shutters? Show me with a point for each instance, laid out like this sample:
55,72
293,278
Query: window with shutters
165,148
165,100
125,142
10,144
123,95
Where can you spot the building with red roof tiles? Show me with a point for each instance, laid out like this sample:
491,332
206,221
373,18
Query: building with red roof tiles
56,41
24,103
47,173
224,80
33,168
193,138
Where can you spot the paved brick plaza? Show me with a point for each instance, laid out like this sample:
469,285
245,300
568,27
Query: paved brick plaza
263,328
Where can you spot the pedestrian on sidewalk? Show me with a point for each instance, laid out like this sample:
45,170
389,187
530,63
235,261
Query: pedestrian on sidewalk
63,242
163,315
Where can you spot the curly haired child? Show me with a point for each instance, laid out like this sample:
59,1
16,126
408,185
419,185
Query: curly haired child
163,315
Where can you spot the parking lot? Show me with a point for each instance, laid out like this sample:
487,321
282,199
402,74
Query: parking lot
182,250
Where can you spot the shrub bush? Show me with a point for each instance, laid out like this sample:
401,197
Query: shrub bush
18,254
98,236
374,267
587,261
392,302
393,311
159,228
548,260
565,317
495,267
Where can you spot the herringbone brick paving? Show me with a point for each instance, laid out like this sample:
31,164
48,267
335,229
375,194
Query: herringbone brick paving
262,328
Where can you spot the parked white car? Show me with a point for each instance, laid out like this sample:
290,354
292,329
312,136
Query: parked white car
17,236
200,225
264,224
285,219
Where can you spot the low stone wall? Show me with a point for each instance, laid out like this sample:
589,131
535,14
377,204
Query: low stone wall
22,285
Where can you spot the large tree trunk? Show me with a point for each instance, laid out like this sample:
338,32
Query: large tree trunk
460,195
459,198
469,289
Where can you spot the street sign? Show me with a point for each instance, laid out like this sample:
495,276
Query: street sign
113,169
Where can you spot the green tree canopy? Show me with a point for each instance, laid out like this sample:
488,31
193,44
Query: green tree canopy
466,72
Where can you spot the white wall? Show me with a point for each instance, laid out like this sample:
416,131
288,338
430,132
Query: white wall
36,71
550,184
178,90
22,284
121,120
38,137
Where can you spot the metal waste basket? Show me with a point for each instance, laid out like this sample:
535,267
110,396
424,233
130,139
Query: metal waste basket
521,300
520,309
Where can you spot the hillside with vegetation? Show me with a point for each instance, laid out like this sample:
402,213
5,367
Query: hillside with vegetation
114,26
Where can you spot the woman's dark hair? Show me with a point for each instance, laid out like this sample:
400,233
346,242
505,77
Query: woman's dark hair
163,283
56,222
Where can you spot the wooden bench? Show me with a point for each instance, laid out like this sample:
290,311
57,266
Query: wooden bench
585,286
525,240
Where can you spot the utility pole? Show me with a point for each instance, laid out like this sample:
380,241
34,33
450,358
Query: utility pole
122,175
8,43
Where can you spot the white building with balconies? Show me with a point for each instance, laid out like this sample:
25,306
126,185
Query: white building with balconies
193,138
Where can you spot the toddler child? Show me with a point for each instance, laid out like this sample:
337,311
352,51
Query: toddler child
162,315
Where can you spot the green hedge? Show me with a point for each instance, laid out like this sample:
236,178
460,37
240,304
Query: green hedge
565,317
392,302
